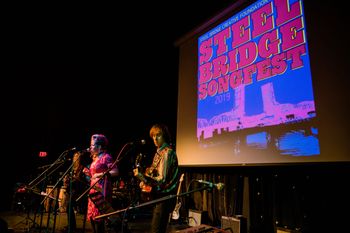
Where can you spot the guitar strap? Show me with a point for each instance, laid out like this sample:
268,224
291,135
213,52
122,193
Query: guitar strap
104,207
172,181
170,185
102,204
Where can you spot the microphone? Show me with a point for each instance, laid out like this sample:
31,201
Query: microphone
219,186
80,151
71,149
85,150
138,142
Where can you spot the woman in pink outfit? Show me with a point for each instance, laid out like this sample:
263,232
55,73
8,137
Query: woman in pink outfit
101,194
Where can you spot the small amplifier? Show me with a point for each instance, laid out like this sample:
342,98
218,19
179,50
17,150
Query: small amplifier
236,224
197,217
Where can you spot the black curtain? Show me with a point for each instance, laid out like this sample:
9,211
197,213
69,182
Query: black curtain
301,198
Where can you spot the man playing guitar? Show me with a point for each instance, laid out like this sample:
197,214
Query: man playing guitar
161,178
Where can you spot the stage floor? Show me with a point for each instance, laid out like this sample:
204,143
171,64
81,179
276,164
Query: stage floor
20,222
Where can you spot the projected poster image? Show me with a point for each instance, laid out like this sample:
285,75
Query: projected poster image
255,85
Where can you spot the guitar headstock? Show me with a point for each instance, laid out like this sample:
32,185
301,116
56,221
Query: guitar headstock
182,177
138,160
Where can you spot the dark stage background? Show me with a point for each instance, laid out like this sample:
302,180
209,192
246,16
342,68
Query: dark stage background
74,70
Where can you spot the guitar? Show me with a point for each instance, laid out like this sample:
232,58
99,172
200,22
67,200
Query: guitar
144,188
175,215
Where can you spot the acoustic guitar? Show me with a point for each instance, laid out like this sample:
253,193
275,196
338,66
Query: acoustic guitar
145,189
175,215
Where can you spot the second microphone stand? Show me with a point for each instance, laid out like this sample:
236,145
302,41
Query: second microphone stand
204,187
43,177
104,173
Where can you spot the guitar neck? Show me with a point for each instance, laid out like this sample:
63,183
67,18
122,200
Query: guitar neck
179,188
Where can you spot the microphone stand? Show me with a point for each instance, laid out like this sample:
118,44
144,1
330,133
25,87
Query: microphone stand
58,161
154,201
43,177
70,210
48,165
103,175
56,199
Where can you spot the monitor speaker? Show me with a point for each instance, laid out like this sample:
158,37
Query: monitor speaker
237,224
201,229
197,217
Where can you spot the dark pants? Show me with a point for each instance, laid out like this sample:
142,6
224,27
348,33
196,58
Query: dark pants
72,205
98,226
161,215
72,224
